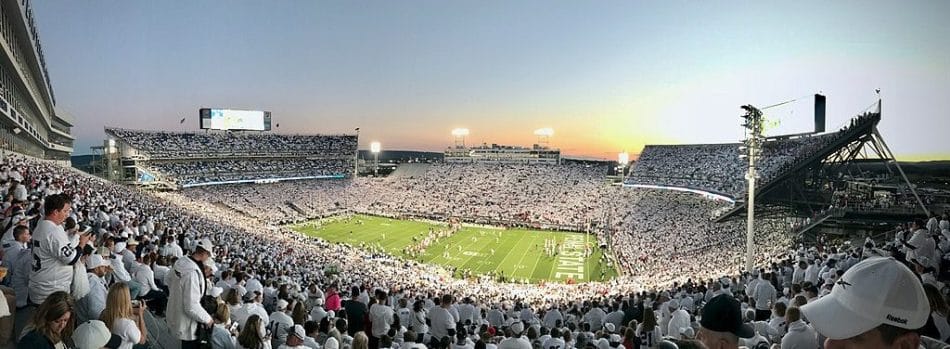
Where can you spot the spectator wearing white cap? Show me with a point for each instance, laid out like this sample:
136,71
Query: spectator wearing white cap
94,334
515,340
280,322
877,303
91,306
679,319
317,313
187,285
294,338
252,306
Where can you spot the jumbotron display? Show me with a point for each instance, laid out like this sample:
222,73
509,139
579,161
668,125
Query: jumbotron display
232,119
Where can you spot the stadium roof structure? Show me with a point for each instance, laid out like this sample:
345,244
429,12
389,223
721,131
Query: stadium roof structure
803,187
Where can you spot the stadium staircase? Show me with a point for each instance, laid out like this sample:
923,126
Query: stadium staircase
817,221
159,335
293,205
409,170
861,128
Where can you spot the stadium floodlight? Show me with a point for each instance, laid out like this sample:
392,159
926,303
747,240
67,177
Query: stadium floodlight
374,148
460,134
753,143
623,159
544,132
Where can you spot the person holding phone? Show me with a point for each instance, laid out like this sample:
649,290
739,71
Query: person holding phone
124,317
54,253
254,335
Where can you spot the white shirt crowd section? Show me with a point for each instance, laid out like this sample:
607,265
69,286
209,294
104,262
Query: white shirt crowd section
718,168
205,171
171,145
649,230
660,237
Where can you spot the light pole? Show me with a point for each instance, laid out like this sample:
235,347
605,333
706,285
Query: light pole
356,160
753,144
623,159
460,134
374,148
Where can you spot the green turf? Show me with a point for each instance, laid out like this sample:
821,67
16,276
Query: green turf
519,253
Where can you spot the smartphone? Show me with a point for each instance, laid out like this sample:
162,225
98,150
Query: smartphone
136,303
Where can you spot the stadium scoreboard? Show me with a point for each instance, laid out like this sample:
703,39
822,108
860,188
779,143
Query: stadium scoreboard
233,119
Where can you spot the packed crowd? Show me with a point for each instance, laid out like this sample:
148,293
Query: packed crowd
718,168
666,237
566,196
175,145
265,287
208,171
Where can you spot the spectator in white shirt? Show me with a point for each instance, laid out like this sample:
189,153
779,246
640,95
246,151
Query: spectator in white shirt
90,307
124,318
800,335
381,317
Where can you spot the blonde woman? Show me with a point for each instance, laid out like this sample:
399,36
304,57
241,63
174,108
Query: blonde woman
360,340
122,318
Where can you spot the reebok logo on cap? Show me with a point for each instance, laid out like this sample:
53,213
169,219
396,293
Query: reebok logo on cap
896,319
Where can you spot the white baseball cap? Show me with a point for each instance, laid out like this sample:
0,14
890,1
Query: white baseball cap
95,260
873,292
94,334
298,331
517,327
206,245
282,304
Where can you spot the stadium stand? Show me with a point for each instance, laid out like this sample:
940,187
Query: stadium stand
195,159
673,254
688,166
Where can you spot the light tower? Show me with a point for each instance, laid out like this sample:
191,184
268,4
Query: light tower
544,135
753,147
374,148
623,159
460,134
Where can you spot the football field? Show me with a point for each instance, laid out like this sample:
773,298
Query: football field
517,254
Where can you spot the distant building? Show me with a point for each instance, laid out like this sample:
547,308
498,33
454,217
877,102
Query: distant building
502,154
30,122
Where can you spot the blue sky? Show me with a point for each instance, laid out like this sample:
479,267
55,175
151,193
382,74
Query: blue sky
607,75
